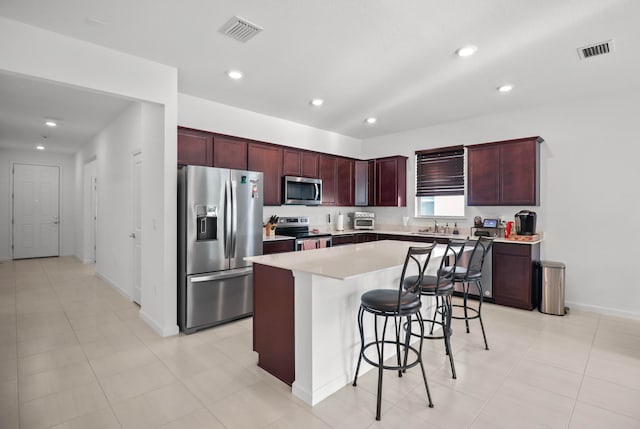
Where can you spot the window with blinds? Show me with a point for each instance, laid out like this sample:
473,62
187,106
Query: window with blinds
440,182
440,172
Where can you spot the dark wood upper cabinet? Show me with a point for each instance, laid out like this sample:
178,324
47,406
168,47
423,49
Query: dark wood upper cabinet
309,165
299,163
505,173
328,169
195,147
345,181
371,186
345,184
229,152
291,162
268,159
391,181
361,185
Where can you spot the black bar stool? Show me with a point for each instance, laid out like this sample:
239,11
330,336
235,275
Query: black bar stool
440,286
468,271
403,302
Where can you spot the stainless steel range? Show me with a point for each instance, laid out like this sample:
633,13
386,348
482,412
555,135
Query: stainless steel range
298,227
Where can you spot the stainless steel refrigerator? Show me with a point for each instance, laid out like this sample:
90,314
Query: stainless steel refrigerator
219,223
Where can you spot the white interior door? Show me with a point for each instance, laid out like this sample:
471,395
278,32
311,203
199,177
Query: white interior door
94,218
36,216
137,228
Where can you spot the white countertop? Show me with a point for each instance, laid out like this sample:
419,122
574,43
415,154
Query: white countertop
272,237
412,233
344,262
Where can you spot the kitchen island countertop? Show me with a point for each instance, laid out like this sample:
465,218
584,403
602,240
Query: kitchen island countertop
343,262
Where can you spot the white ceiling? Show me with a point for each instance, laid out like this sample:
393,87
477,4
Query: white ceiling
26,104
391,60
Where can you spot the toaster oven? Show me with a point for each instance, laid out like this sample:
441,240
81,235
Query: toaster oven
364,220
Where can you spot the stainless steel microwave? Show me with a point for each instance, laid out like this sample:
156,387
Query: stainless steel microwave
301,191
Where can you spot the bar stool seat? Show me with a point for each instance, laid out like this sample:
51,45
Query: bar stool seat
397,304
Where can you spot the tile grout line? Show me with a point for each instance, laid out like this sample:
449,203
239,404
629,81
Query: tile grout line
88,363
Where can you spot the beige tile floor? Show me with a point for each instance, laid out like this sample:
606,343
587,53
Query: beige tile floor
73,354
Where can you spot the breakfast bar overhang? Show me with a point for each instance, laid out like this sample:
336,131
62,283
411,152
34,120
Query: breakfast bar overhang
305,308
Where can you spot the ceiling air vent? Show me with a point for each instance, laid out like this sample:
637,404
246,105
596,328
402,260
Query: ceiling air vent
596,49
240,29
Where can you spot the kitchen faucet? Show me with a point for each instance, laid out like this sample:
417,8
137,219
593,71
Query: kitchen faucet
435,223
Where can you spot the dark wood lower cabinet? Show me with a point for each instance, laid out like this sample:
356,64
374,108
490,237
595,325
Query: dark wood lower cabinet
513,274
365,237
273,321
279,246
340,240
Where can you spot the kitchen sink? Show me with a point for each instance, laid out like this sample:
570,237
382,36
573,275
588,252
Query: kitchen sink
429,233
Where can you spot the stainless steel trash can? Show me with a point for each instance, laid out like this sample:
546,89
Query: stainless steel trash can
552,288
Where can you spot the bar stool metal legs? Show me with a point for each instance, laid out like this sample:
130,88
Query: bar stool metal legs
476,312
402,305
403,348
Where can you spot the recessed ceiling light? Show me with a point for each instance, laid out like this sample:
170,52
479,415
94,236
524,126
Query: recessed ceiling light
50,124
467,51
234,74
370,120
40,147
317,102
505,88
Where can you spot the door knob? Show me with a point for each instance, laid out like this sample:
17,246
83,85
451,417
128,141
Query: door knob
132,235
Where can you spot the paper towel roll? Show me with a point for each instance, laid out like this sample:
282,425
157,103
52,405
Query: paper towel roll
340,222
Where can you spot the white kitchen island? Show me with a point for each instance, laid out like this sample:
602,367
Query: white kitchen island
306,305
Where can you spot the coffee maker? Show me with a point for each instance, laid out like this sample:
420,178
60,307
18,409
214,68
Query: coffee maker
525,222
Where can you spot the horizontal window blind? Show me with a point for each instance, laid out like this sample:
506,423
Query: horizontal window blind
440,172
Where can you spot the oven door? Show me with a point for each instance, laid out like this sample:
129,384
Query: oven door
310,243
363,223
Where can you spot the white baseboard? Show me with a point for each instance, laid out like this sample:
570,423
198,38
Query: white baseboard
603,310
115,286
4,258
163,332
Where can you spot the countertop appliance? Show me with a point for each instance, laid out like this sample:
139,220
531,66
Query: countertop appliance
364,220
298,227
525,222
219,223
301,191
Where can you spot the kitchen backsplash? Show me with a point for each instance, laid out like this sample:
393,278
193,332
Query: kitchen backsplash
390,216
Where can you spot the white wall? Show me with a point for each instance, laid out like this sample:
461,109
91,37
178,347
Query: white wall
67,195
207,115
112,150
589,197
30,51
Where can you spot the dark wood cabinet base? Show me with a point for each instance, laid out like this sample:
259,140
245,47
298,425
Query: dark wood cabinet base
273,321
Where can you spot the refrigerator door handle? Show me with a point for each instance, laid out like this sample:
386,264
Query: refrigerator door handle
227,219
222,275
234,217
